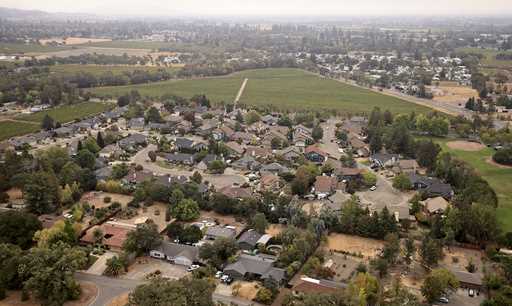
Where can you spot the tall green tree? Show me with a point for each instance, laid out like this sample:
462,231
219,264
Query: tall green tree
41,193
437,283
18,228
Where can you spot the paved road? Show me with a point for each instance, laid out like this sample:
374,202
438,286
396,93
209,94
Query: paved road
329,128
108,288
217,180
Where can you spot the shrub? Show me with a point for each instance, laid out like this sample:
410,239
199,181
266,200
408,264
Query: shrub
107,199
503,156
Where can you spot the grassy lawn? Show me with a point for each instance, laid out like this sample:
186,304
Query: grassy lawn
10,129
286,89
68,113
155,45
499,179
13,48
96,70
489,59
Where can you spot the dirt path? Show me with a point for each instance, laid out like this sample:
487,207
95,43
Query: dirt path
240,92
467,146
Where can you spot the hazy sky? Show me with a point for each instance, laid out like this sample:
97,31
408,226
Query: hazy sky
269,7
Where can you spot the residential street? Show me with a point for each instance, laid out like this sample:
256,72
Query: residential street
108,288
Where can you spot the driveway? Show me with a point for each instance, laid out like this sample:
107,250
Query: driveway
146,265
99,266
461,298
217,180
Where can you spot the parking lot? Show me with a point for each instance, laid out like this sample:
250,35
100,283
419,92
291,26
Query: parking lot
144,266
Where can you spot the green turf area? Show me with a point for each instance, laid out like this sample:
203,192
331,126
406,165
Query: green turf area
489,59
156,45
68,113
10,129
97,70
14,48
287,89
499,179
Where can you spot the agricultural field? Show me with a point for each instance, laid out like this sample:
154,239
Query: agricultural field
286,89
14,48
498,177
96,70
68,113
156,45
489,60
10,128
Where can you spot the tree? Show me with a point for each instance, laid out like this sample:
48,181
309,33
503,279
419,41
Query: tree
99,140
182,292
41,193
10,257
152,156
119,171
503,156
376,142
114,266
18,228
363,290
437,283
410,249
431,251
144,238
369,179
264,296
217,167
49,272
402,182
153,115
317,133
252,117
86,159
196,177
185,210
426,153
259,223
48,123
218,252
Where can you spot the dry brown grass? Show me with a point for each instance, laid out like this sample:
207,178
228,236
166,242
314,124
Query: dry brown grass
89,291
275,229
354,244
120,300
453,94
73,40
248,290
465,145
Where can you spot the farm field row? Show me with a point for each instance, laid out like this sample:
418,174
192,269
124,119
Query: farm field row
10,129
68,113
283,88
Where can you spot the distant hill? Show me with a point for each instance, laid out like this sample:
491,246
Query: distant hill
19,14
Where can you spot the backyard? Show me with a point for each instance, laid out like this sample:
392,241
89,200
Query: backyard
68,113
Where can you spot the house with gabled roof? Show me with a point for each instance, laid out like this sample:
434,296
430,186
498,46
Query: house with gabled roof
258,266
179,254
315,154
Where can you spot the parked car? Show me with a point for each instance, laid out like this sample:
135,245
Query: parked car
373,188
444,300
192,268
226,279
218,274
471,293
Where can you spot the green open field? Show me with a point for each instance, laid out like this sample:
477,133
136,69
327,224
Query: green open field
283,88
489,59
10,129
68,113
500,179
155,45
96,70
15,48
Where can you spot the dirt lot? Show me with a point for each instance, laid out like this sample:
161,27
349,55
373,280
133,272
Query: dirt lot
453,94
221,220
369,248
312,207
155,212
459,258
146,265
96,198
465,145
72,40
342,265
247,290
89,291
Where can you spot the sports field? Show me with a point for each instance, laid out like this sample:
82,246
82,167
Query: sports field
286,89
68,113
10,129
499,178
96,70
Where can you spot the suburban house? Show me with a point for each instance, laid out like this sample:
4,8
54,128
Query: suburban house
114,235
290,154
259,266
436,205
269,119
274,168
246,163
235,149
243,137
469,280
187,145
258,152
111,151
179,254
235,192
325,186
384,160
136,124
270,182
133,142
251,238
205,162
103,174
135,177
315,154
215,232
407,166
348,174
431,187
180,158
64,132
